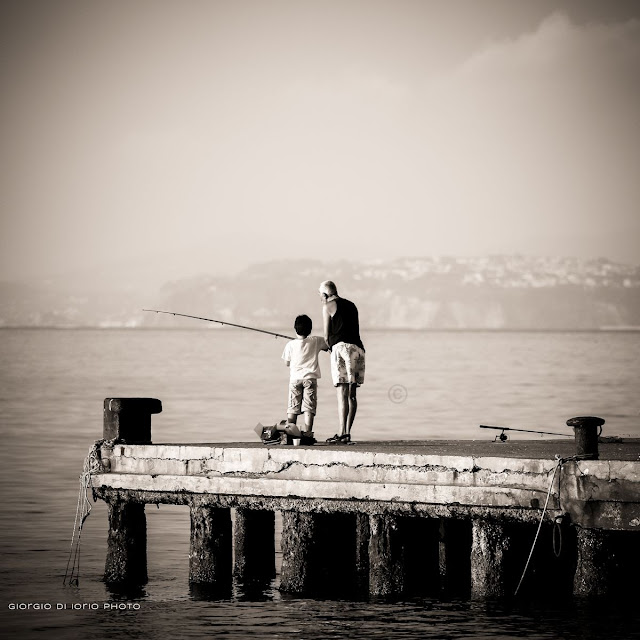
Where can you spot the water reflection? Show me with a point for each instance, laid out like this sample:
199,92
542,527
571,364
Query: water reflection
126,592
211,593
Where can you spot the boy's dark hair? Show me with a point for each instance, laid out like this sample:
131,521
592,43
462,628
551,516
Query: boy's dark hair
303,325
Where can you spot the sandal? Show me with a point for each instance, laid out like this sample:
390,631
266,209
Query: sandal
343,439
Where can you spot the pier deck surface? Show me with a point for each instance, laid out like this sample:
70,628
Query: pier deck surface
539,449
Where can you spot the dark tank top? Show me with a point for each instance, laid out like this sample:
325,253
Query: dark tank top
344,325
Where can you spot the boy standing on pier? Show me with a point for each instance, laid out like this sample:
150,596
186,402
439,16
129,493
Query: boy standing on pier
301,356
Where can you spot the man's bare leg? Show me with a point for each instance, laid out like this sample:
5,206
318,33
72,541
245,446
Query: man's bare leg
353,406
343,407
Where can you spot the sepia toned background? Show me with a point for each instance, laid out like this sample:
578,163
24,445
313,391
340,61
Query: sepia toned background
465,170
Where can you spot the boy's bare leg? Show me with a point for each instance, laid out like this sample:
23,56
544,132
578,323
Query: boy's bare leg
308,421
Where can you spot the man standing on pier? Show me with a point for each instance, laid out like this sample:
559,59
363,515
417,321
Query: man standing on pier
342,334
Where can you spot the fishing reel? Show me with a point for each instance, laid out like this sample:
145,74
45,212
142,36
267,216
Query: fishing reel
502,436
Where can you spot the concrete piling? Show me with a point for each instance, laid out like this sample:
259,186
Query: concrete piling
126,543
211,546
298,542
386,556
594,563
254,545
362,535
489,548
454,556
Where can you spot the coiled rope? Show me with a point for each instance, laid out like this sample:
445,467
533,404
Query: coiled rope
560,462
92,464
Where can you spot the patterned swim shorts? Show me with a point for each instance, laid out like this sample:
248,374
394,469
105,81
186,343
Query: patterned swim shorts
347,364
303,396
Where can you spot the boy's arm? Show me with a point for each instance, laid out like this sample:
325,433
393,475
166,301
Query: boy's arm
286,355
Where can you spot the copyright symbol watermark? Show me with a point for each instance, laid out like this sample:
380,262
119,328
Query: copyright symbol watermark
397,393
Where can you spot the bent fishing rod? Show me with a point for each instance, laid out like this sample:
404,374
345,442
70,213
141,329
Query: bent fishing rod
222,322
502,436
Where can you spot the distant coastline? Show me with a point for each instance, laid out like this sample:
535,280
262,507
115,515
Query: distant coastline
496,293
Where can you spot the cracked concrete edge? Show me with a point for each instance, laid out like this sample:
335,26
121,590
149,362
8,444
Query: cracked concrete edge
392,492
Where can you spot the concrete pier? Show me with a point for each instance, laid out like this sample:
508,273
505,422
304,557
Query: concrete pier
385,518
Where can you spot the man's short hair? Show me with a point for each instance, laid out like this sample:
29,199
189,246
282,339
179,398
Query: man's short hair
303,325
329,288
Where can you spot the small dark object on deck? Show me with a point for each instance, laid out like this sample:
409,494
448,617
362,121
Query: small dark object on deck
587,430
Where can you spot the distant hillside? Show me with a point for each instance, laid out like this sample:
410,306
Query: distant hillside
499,292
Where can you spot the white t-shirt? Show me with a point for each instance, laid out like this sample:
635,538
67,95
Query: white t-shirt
302,354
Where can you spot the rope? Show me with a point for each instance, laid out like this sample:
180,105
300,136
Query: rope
560,462
92,465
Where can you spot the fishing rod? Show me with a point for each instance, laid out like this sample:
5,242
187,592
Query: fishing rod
222,322
502,436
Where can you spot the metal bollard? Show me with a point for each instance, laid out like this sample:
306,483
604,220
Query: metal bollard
129,419
587,430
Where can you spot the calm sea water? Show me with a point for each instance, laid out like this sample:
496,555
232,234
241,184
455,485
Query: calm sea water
215,386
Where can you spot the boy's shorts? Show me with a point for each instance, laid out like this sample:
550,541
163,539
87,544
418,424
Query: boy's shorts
347,364
303,396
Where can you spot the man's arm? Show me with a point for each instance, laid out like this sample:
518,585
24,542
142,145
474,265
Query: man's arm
326,318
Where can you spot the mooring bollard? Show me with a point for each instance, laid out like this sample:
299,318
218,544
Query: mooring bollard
587,430
129,419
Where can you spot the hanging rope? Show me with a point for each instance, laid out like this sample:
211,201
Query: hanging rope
92,464
560,462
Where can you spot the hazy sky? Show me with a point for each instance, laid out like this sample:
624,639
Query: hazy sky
197,134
